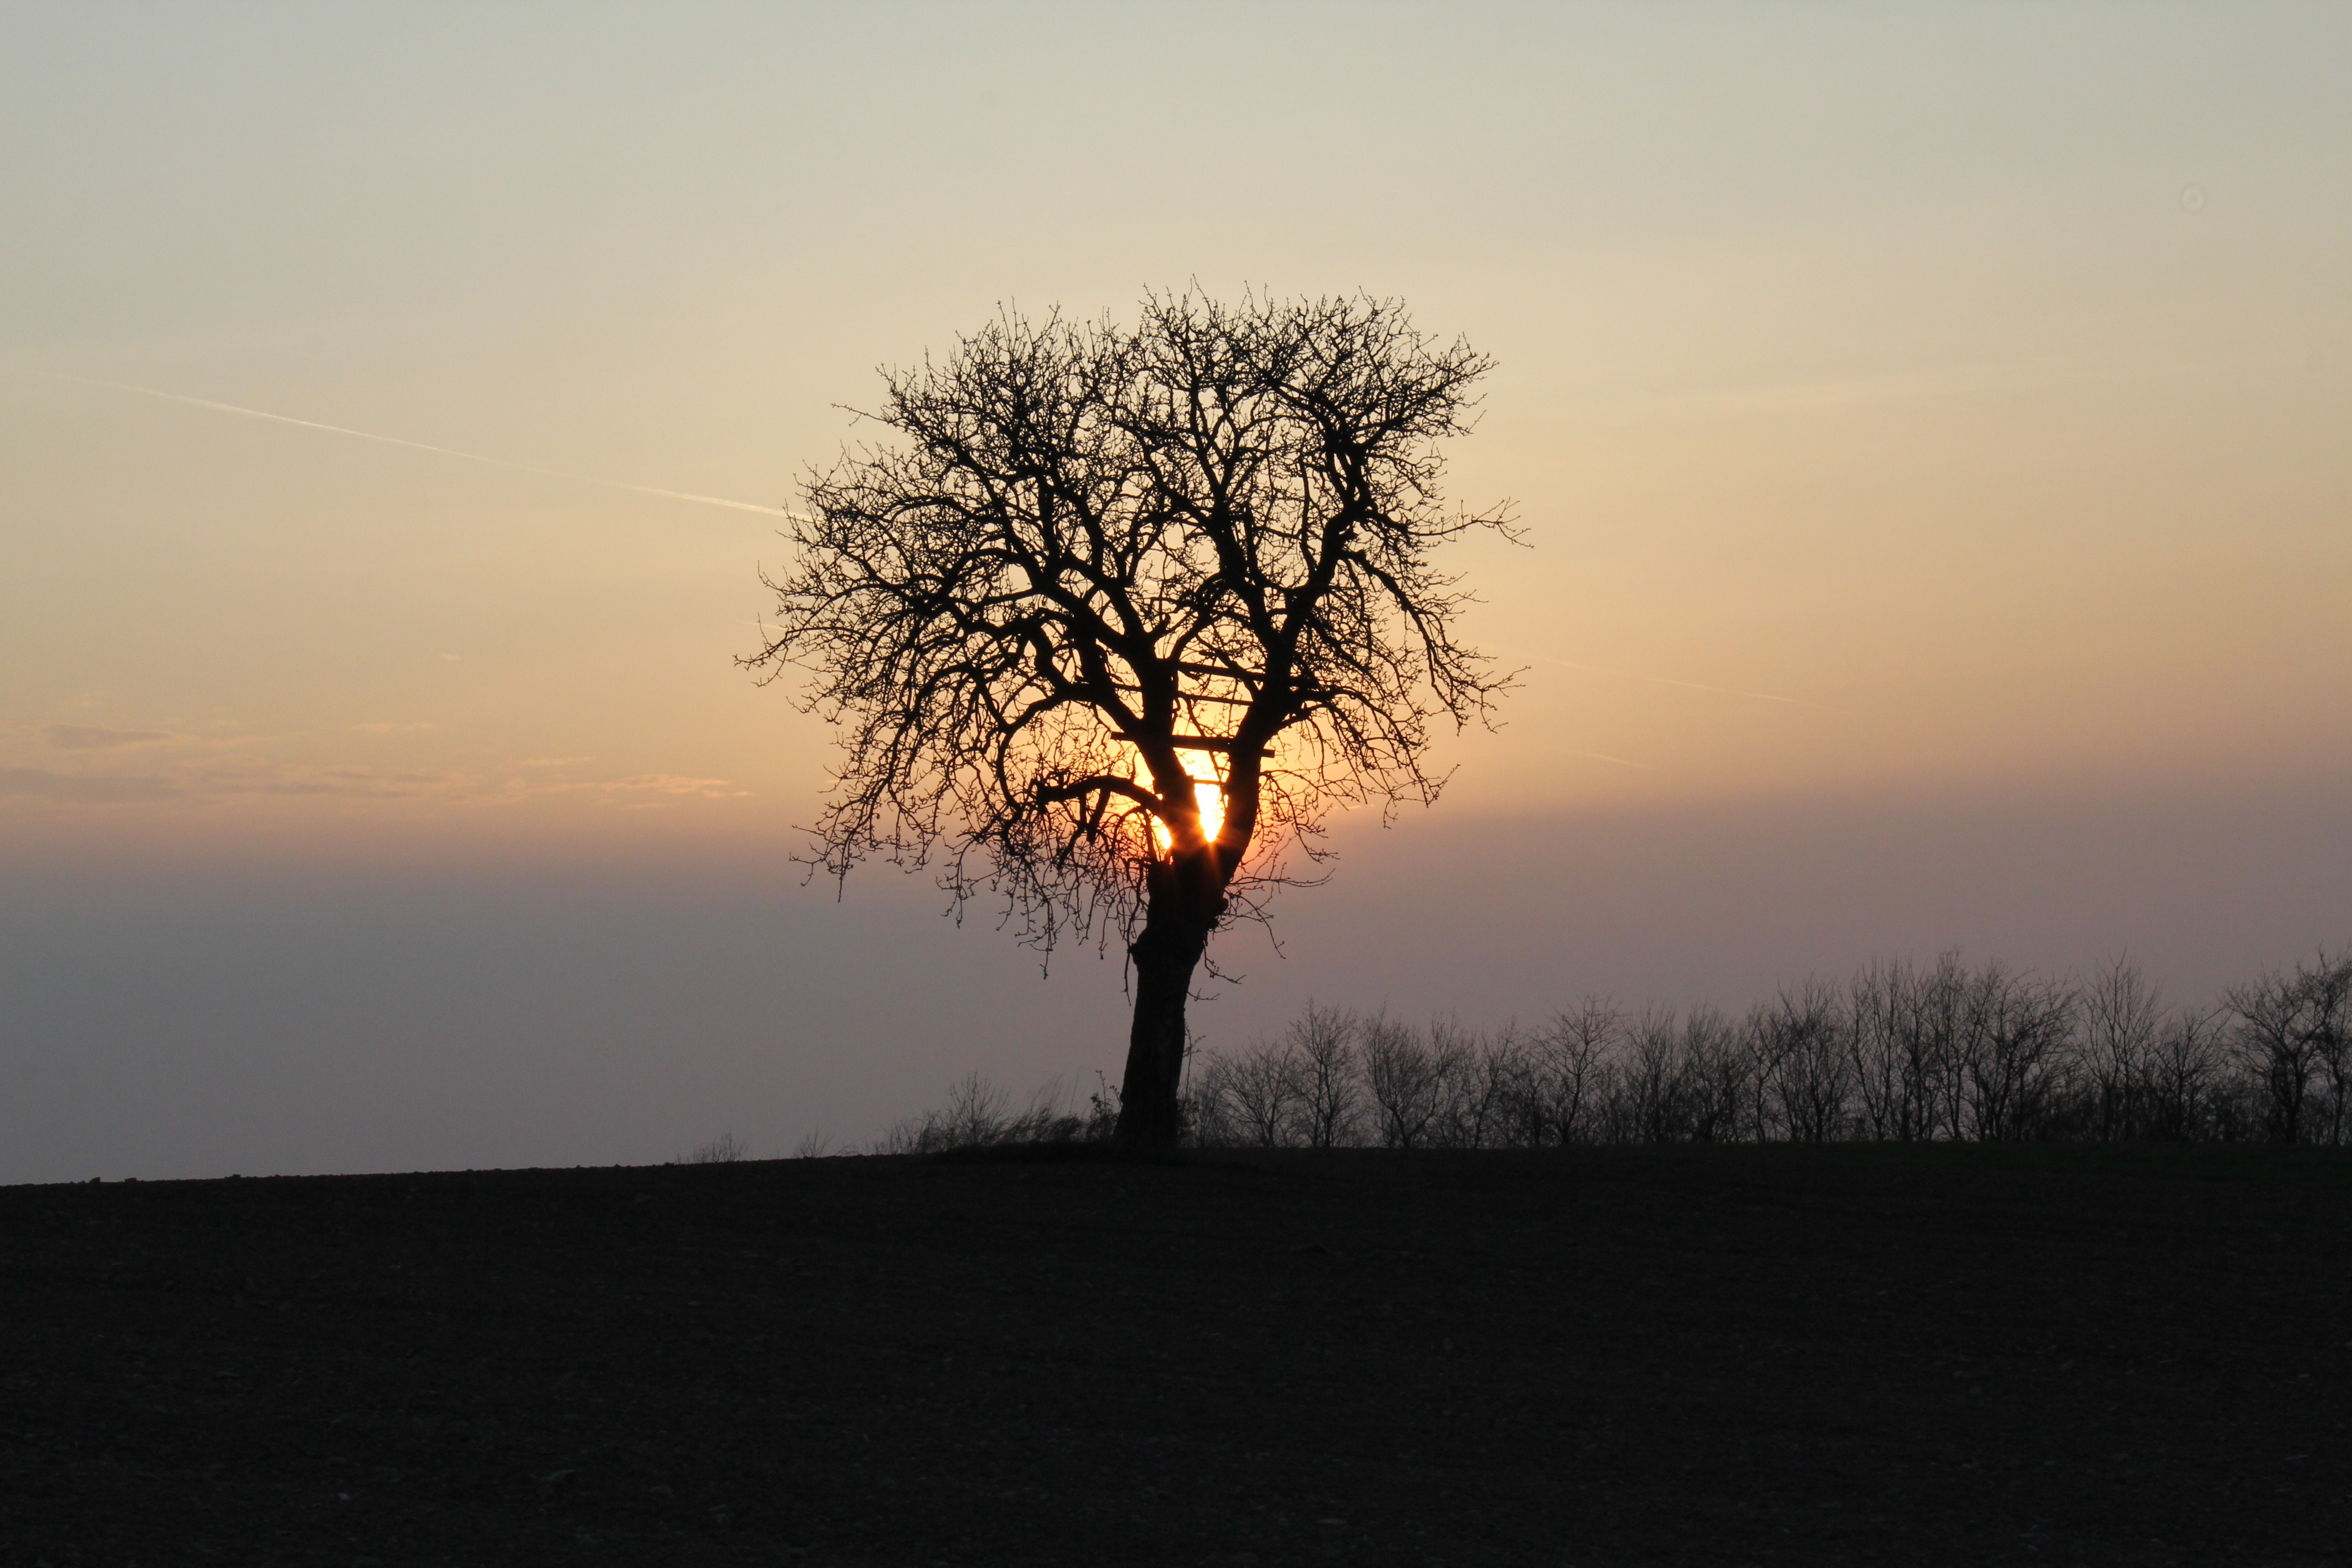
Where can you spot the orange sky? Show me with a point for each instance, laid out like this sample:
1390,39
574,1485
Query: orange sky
1936,402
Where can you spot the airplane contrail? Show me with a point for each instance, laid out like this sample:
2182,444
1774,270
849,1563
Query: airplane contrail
1692,685
1620,761
418,446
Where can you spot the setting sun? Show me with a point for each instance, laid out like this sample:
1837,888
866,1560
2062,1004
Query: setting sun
1211,796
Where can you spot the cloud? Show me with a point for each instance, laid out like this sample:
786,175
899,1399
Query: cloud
672,784
98,789
387,729
90,738
552,762
354,791
643,785
350,783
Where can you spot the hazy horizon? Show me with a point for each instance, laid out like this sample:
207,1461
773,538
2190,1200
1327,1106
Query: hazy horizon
1929,425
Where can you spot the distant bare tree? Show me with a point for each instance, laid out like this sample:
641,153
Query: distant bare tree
1402,1080
1800,1041
1505,1107
1446,1087
2122,1020
1255,1094
1575,1056
1500,1101
2276,1043
1655,1081
2329,988
1874,998
1455,1056
2181,1077
1718,1076
2292,1030
1935,1022
1898,1041
2014,1037
1323,1059
1100,561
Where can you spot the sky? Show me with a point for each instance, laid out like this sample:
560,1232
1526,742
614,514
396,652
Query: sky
1929,421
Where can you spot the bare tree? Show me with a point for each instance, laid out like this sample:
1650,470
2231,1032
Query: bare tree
2014,1032
1655,1082
1874,999
2292,1029
1454,1055
1576,1062
1498,1103
1799,1042
1323,1059
2181,1077
1254,1096
2328,987
1718,1077
2271,1043
1935,1023
1898,1035
1126,613
1405,1081
2123,1019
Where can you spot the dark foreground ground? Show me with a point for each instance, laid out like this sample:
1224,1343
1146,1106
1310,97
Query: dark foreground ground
1702,1356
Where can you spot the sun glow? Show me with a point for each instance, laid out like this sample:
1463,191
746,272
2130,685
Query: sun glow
1212,804
1209,790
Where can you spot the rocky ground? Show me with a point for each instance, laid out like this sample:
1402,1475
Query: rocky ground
1712,1356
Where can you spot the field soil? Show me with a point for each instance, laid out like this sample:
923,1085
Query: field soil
1707,1356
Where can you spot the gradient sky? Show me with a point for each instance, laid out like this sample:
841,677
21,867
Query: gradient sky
1933,425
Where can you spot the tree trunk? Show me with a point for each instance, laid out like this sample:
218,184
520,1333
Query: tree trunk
1185,902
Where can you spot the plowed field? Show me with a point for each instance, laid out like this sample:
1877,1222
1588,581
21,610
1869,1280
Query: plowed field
1715,1356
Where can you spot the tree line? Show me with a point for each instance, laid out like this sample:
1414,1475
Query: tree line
1900,1051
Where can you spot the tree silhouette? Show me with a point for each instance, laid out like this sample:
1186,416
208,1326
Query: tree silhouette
1125,614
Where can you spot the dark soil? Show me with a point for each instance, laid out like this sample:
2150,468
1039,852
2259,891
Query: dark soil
1707,1356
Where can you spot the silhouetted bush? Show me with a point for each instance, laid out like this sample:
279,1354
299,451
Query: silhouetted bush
724,1149
978,1114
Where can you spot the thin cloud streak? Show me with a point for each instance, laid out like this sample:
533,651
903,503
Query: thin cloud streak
418,445
90,738
1620,761
1688,685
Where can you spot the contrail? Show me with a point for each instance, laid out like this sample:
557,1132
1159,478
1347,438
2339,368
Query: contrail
1691,684
1620,761
418,446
